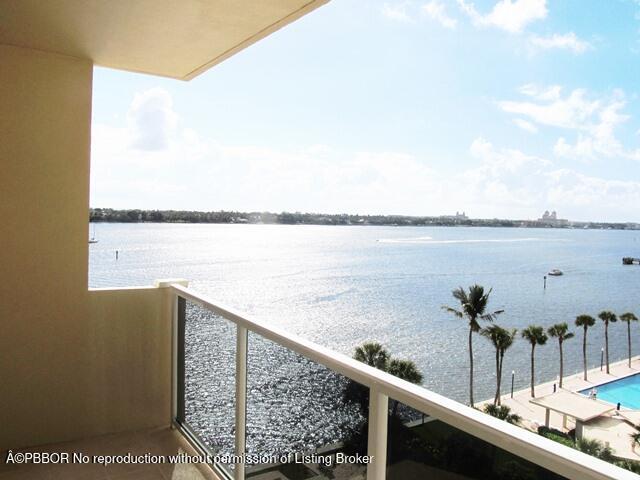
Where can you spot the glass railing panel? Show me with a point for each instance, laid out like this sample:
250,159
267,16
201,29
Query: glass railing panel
209,379
422,447
307,421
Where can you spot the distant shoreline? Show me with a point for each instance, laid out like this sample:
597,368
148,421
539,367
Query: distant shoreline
108,215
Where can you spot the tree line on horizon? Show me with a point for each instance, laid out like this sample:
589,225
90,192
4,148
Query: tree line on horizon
282,218
110,215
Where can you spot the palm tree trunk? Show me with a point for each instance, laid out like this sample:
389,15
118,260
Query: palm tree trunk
606,344
584,352
500,378
533,392
496,398
471,367
629,341
561,366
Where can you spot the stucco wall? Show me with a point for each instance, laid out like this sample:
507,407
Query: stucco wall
130,334
72,363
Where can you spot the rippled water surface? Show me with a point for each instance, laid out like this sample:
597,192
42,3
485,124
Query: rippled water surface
340,286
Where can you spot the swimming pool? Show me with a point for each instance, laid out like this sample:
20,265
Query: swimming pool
625,390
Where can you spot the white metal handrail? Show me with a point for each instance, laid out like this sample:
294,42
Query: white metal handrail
551,455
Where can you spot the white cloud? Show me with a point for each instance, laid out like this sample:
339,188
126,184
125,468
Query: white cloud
508,181
152,120
549,93
397,12
524,125
594,120
550,109
510,15
567,41
437,11
601,198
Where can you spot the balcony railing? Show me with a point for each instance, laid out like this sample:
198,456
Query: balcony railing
245,388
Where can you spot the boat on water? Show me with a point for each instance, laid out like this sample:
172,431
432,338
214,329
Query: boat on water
555,272
93,238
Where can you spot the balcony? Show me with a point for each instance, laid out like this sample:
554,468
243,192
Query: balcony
243,389
78,365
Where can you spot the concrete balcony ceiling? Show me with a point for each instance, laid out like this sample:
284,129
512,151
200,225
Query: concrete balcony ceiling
178,39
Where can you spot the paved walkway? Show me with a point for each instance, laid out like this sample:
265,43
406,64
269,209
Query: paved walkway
615,432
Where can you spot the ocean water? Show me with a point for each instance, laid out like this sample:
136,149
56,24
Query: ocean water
341,286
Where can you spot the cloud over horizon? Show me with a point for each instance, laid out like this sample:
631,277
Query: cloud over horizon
182,169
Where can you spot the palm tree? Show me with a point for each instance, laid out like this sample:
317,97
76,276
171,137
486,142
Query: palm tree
501,339
561,332
629,317
405,370
585,321
473,306
373,354
536,336
607,317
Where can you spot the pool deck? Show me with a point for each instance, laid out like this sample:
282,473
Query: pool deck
612,429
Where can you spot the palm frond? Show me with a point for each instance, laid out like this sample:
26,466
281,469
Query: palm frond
490,317
607,316
406,370
535,335
460,294
457,313
585,321
373,354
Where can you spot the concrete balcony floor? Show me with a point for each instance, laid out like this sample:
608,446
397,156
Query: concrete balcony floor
160,442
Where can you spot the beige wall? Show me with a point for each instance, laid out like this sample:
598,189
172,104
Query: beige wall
72,364
130,335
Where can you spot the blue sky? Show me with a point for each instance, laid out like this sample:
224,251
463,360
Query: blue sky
499,108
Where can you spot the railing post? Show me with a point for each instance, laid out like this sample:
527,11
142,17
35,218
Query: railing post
179,365
241,399
377,446
174,355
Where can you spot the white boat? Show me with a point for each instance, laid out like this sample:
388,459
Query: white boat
93,238
555,272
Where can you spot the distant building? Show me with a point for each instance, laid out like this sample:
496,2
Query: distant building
552,220
458,216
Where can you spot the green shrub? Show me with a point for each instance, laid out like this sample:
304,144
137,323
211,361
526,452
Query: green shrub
595,448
